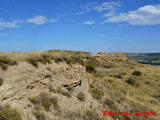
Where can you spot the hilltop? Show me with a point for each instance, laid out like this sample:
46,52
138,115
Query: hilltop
75,85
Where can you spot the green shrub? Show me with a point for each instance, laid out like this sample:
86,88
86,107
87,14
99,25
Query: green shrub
58,59
70,60
5,62
93,62
91,115
108,65
81,96
90,69
137,73
131,81
147,82
110,81
97,93
43,58
34,61
46,58
39,115
110,103
45,100
35,100
1,81
118,76
9,113
4,66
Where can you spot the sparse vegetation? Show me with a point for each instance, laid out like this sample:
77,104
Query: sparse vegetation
131,81
137,73
90,69
118,76
110,103
43,99
97,93
34,61
81,96
147,82
114,83
39,115
9,113
1,81
35,100
91,115
43,58
5,62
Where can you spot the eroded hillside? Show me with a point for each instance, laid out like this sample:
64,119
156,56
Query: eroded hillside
68,85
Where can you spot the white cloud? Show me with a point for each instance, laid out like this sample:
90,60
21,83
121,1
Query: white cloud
110,13
89,22
52,20
12,24
107,6
103,6
147,15
39,20
3,34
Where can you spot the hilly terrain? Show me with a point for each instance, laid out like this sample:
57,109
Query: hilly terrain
76,85
145,58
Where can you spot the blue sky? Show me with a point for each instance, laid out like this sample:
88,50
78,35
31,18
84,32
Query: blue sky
87,25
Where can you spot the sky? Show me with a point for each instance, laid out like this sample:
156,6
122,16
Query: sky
84,25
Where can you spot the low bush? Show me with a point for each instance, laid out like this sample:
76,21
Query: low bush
43,99
43,58
39,115
5,62
137,73
9,113
92,61
81,96
70,60
97,93
90,69
131,81
110,103
34,61
35,100
91,115
1,81
118,76
147,82
58,59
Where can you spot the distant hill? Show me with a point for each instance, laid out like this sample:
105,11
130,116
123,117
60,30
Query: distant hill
145,58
